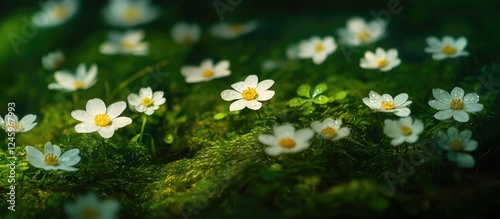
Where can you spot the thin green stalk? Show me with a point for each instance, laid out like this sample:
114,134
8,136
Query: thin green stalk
44,174
75,97
258,113
144,120
135,76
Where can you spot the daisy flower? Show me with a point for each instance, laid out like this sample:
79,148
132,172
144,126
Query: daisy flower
82,79
457,104
458,144
248,93
53,60
51,158
98,118
129,13
226,30
387,104
129,42
286,140
54,13
186,33
359,32
447,48
12,124
317,49
147,101
89,206
206,72
330,129
403,130
382,60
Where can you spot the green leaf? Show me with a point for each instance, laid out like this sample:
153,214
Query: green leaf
134,139
219,116
309,110
297,101
304,90
321,99
319,89
340,95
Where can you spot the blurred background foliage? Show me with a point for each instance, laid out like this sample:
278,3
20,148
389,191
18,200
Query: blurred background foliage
215,167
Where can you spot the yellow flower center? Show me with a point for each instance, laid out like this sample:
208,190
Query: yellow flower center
287,143
78,84
364,36
249,93
17,126
319,47
381,63
387,105
89,213
207,73
456,145
126,44
102,120
236,28
329,132
50,159
448,50
58,12
456,104
130,13
405,130
146,101
187,39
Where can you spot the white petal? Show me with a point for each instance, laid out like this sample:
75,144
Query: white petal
273,150
238,105
317,126
95,106
265,95
106,132
115,109
445,114
471,98
145,92
35,157
438,105
471,145
267,139
252,80
82,116
402,112
400,99
397,141
229,95
465,160
264,85
460,116
120,122
253,104
457,93
86,128
133,99
69,158
471,108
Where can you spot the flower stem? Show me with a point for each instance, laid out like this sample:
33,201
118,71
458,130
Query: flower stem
44,174
104,141
258,113
144,120
135,76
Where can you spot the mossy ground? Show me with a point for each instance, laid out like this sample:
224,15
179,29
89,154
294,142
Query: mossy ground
208,167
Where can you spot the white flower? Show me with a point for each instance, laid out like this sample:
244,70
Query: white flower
186,33
330,129
447,48
146,101
287,140
129,42
226,30
89,206
403,130
54,13
101,119
53,60
457,104
457,145
206,72
387,104
129,13
382,60
317,49
51,159
248,93
11,122
82,79
358,32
